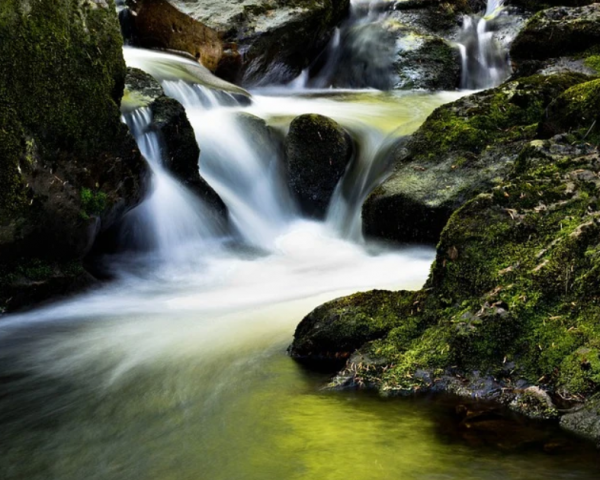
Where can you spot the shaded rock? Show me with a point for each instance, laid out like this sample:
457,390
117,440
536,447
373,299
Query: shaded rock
180,150
251,41
426,62
576,111
70,169
584,420
331,333
462,149
318,152
558,32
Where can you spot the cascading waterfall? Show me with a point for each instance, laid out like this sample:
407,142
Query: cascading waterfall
359,55
171,218
484,62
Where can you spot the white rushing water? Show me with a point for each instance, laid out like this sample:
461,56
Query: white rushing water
484,61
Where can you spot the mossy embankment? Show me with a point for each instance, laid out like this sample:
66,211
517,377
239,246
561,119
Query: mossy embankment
463,148
511,309
69,166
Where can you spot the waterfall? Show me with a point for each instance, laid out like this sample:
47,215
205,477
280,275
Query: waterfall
484,61
171,218
244,170
359,55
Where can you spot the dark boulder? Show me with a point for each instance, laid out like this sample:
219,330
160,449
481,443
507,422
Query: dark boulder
557,32
318,152
69,168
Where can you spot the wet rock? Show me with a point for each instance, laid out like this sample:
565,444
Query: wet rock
330,334
536,5
426,62
576,111
180,149
70,168
584,420
251,41
318,152
557,32
464,148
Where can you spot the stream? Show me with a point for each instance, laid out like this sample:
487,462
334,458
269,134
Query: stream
178,368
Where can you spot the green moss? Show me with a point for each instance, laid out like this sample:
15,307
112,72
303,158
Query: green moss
92,203
593,62
515,280
503,115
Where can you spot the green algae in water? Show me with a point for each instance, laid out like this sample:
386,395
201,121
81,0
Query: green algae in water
252,416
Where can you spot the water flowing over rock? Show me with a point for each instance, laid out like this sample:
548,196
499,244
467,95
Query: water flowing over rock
253,41
70,168
179,149
461,150
318,152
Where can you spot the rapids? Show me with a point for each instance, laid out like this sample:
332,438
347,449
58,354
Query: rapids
177,369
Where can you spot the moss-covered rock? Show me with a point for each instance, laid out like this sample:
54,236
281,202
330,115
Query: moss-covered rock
558,32
536,5
241,41
63,147
510,311
462,149
318,152
426,62
576,111
333,331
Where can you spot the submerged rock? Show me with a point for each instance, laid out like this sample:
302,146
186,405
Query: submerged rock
318,152
251,41
70,169
462,149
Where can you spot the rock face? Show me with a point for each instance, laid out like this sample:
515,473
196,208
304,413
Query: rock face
318,152
241,42
556,32
69,169
462,149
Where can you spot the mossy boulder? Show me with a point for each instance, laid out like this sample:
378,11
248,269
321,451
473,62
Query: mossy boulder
335,330
463,148
318,152
69,168
434,16
426,62
558,32
576,111
241,42
510,311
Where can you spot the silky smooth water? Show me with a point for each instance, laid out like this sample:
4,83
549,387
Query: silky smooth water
178,368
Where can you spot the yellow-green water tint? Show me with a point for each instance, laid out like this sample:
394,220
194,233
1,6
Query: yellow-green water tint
256,417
